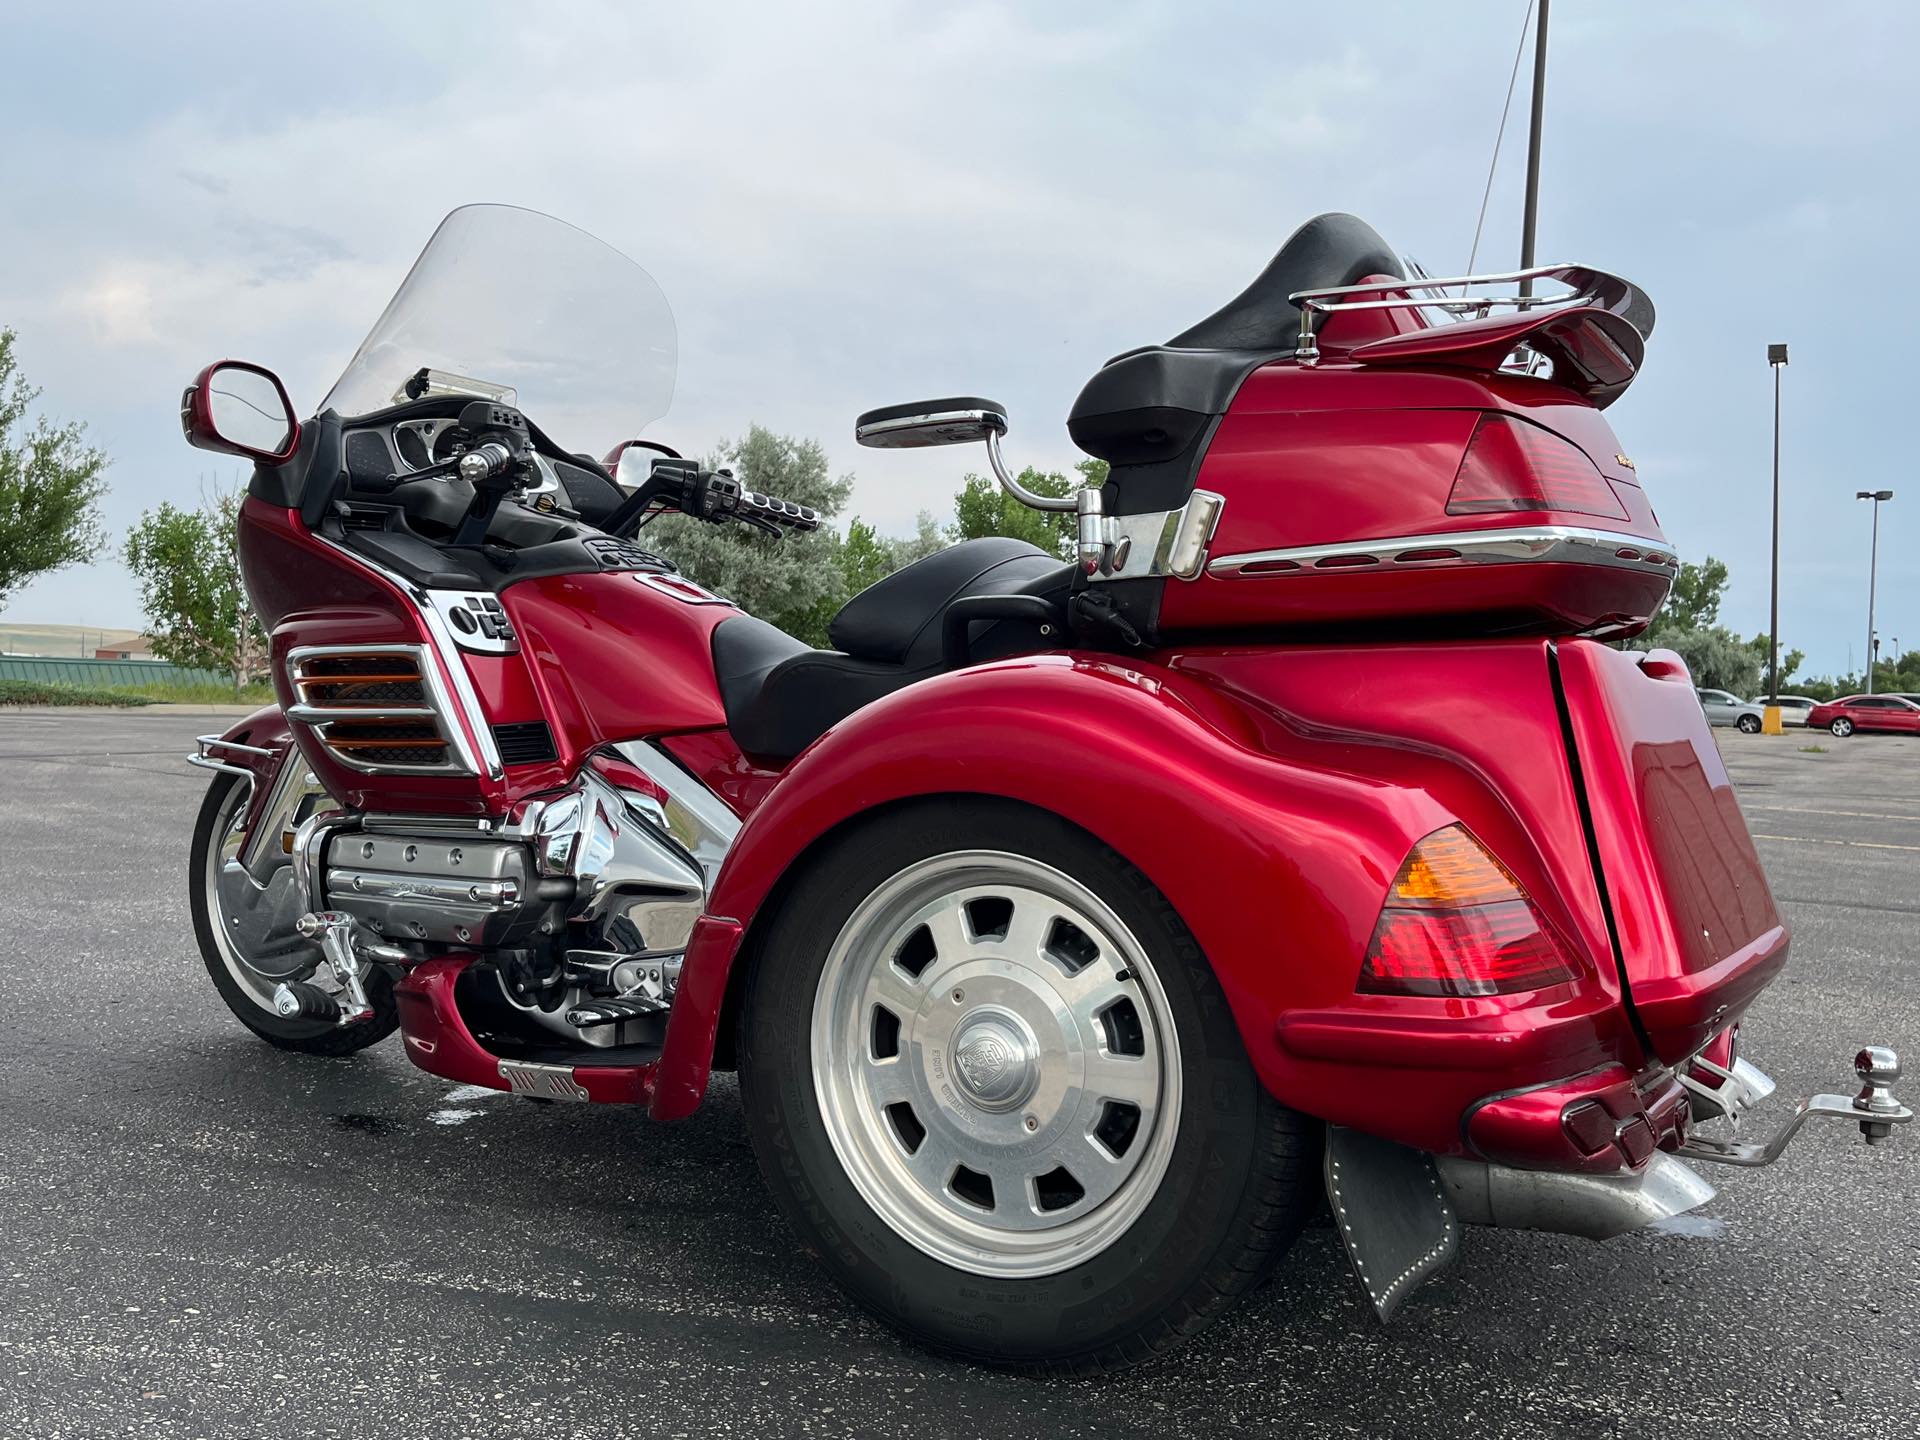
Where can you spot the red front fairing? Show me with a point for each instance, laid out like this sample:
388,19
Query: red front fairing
603,658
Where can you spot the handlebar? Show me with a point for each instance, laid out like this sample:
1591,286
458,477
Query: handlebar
711,495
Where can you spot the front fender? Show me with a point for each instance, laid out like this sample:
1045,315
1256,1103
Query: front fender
1277,866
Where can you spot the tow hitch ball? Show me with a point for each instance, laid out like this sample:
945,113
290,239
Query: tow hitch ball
1875,1109
1878,1067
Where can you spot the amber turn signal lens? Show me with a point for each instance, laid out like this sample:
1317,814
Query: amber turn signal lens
1449,869
1456,922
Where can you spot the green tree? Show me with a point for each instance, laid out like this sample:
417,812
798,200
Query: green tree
50,486
1694,602
188,566
1790,660
796,582
982,508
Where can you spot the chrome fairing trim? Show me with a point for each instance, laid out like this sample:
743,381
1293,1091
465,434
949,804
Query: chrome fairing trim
1538,544
694,815
439,710
472,716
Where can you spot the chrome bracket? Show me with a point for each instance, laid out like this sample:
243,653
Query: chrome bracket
1874,1109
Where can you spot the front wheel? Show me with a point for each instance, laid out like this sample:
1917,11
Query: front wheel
1749,724
995,1088
218,836
1842,727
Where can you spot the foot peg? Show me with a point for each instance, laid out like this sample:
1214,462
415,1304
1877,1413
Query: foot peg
1874,1109
615,1012
348,954
297,1000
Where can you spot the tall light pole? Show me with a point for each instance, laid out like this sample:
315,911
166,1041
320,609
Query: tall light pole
1770,719
1873,569
1532,212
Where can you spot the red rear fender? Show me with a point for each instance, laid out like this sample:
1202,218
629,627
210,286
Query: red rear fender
1272,843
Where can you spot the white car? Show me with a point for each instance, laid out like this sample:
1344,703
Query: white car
1724,708
1793,708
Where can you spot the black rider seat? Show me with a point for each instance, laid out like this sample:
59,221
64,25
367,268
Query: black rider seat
780,695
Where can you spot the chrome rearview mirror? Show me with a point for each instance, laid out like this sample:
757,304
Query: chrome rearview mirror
240,409
960,420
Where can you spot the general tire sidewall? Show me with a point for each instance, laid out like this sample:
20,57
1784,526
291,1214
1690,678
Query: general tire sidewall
1161,1262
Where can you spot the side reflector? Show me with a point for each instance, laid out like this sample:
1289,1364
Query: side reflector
1456,922
1513,465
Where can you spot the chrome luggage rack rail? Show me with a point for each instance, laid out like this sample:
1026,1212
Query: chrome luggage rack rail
1585,286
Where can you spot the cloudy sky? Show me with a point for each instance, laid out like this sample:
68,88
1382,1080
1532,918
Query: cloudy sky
852,202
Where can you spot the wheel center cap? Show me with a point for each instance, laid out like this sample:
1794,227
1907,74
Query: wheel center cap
995,1061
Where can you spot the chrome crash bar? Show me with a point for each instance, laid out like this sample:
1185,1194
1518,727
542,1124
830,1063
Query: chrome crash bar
1585,286
206,758
1874,1109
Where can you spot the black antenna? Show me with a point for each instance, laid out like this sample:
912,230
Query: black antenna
1533,147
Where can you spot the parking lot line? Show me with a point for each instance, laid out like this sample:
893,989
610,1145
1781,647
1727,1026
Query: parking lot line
1816,840
1851,814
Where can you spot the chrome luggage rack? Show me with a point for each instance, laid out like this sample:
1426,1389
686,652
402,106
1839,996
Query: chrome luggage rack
1585,286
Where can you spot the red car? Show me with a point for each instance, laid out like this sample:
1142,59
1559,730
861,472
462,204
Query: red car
1866,712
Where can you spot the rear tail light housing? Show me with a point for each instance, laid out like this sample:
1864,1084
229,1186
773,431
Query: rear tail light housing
1513,465
1457,923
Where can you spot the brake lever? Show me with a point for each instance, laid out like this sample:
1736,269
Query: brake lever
765,526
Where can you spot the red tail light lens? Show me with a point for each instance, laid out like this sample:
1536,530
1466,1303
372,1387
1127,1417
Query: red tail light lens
1456,922
1512,465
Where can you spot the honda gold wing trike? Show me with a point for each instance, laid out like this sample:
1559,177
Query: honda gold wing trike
1078,928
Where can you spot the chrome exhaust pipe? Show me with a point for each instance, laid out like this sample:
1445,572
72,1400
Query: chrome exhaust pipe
1596,1206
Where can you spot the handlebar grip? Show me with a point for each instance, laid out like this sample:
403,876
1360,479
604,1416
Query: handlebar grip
780,512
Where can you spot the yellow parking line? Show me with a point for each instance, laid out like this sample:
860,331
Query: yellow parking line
1857,844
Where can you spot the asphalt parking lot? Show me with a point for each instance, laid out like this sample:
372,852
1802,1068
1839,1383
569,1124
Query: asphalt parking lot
202,1237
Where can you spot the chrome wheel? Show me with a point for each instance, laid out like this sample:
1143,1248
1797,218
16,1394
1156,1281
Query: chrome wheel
995,1065
1842,727
229,838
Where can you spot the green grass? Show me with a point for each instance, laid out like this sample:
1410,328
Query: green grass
35,692
1813,749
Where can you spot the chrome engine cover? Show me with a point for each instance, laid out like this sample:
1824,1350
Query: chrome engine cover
434,888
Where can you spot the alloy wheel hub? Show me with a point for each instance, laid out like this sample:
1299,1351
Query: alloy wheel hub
993,1065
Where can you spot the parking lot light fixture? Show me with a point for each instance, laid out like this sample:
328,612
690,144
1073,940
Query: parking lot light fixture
1873,568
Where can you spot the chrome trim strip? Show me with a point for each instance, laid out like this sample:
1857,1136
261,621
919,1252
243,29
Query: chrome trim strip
1544,543
321,714
501,894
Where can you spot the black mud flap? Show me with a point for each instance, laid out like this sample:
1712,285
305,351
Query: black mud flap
1392,1215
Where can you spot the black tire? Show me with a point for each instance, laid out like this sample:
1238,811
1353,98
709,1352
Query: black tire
305,1036
1841,727
1749,724
1242,1179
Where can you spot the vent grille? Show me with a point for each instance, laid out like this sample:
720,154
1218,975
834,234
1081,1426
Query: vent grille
374,708
528,743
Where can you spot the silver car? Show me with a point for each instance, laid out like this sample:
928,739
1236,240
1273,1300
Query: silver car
1793,708
1725,709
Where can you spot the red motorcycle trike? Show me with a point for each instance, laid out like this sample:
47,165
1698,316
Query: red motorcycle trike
1074,927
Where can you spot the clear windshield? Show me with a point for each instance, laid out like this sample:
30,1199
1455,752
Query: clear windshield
513,298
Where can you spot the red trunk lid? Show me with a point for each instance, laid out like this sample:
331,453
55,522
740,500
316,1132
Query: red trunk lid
1697,931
